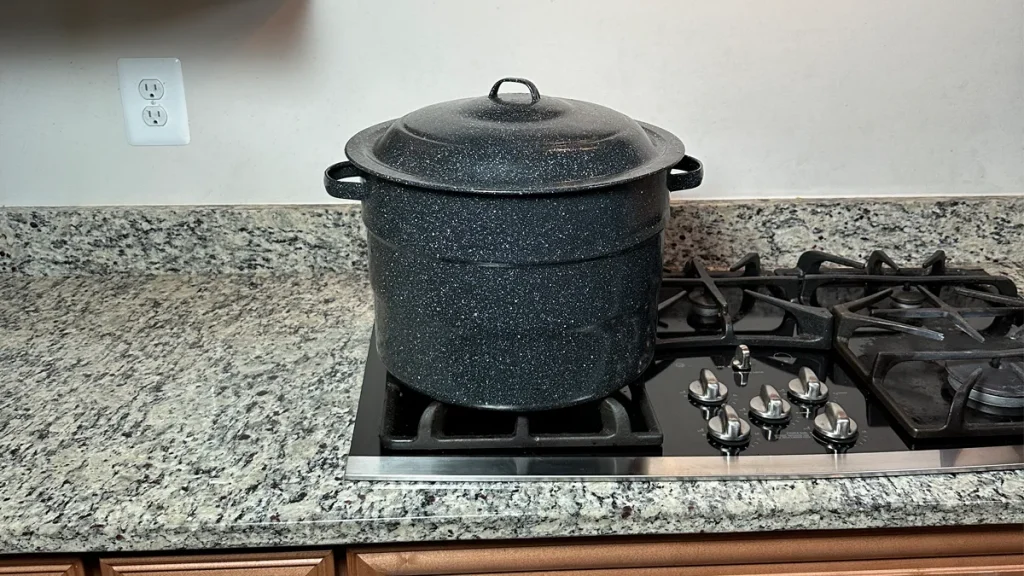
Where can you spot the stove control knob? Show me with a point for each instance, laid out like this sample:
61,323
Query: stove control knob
741,361
728,427
769,405
835,424
708,390
807,388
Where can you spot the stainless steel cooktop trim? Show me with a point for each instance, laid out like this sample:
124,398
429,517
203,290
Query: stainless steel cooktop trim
618,468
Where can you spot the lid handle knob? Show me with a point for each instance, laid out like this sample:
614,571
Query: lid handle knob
534,93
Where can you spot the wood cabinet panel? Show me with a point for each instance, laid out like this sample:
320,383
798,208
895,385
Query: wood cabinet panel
933,552
956,566
42,567
317,563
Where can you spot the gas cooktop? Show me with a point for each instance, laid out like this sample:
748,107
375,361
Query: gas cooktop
834,367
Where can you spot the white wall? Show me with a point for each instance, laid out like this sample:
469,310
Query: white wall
779,98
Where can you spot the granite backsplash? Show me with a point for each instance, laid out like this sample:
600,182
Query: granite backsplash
72,241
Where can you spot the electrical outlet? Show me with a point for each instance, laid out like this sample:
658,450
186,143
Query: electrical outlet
153,101
151,89
154,116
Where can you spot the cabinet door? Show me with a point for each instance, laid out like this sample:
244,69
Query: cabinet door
42,567
319,563
991,551
960,566
1010,565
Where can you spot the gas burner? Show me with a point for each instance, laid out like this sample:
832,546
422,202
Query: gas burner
704,311
933,344
1000,383
741,305
938,321
917,390
907,298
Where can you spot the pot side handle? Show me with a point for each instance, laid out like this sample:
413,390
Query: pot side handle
337,186
689,174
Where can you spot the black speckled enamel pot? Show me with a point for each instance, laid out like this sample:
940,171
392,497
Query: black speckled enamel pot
515,245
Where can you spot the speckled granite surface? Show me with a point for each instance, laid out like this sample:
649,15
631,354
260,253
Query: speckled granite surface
181,239
304,239
212,411
910,230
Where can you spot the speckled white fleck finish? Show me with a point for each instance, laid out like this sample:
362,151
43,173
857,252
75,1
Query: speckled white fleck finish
181,240
908,229
190,412
303,239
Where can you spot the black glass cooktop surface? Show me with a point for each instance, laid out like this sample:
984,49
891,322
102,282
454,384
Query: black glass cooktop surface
832,367
681,421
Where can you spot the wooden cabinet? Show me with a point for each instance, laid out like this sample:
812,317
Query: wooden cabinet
41,567
974,551
932,552
319,563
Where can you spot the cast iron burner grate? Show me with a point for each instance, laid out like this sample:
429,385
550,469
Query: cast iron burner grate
925,340
413,422
701,308
851,279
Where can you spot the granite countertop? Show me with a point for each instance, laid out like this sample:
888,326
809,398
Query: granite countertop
213,411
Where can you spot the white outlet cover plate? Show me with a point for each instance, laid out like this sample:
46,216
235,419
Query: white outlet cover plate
132,71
